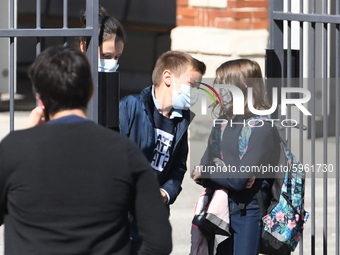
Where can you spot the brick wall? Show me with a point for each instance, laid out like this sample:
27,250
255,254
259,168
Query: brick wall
227,14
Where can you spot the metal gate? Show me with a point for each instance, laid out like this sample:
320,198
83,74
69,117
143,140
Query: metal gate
303,52
91,31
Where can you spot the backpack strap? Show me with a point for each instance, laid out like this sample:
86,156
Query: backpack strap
261,203
279,140
215,141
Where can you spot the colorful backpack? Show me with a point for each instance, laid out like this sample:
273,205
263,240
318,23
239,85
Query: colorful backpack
284,219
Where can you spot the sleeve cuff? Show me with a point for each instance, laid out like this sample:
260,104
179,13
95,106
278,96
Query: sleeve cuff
167,195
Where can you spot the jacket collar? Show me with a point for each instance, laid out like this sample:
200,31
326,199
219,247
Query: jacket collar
174,114
146,99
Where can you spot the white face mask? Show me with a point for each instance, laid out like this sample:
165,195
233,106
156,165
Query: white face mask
186,98
107,65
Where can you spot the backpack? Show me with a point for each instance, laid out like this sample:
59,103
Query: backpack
284,219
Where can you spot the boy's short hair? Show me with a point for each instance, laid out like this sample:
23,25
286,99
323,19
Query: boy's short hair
177,62
62,77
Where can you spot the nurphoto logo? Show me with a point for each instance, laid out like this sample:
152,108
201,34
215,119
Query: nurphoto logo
238,102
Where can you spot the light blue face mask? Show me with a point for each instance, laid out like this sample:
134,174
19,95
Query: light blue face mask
186,98
107,65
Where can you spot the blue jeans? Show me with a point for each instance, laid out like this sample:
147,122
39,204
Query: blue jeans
245,227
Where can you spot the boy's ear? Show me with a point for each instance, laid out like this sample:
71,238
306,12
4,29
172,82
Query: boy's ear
167,77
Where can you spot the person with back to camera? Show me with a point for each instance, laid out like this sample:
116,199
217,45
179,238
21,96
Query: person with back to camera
66,186
158,119
245,213
112,38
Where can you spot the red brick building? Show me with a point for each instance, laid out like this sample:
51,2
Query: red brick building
232,14
219,30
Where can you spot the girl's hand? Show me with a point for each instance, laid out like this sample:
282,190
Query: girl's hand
196,174
250,182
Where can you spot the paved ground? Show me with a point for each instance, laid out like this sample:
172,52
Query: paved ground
182,210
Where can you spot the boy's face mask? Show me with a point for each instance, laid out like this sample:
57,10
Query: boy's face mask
107,65
184,99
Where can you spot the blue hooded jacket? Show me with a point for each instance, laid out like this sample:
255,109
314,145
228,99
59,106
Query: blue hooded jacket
136,122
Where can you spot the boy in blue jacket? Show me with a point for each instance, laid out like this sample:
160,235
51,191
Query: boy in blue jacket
158,119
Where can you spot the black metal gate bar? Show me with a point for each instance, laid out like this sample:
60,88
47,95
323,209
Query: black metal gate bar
337,131
11,67
313,132
275,49
91,31
65,21
38,26
289,71
49,32
301,79
323,54
325,123
92,22
316,18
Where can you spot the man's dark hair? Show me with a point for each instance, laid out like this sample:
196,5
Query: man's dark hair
62,77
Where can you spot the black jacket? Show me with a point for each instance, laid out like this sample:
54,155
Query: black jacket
67,189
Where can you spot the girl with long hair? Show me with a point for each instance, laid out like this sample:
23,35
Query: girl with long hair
261,149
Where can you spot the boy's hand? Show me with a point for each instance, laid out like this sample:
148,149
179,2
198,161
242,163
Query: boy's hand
35,117
164,196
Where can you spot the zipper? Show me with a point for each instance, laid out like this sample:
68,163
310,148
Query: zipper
301,220
285,195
